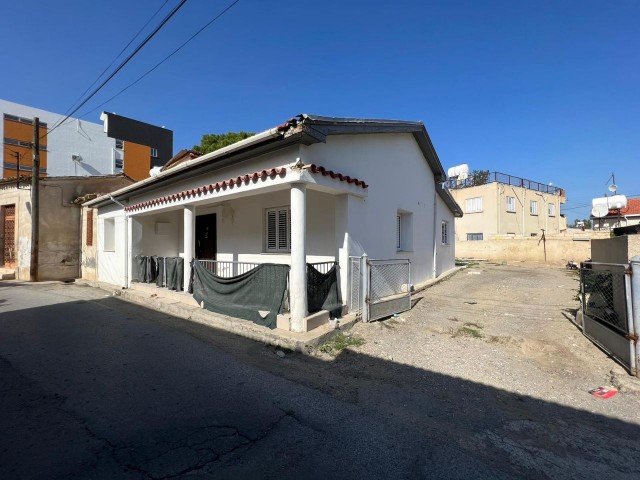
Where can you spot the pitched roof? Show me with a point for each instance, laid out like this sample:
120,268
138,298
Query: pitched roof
180,157
305,129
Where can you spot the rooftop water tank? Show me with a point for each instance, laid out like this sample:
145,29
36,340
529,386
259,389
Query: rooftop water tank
615,202
460,172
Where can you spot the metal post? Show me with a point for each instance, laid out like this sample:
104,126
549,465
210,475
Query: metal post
364,286
635,301
17,154
630,324
35,202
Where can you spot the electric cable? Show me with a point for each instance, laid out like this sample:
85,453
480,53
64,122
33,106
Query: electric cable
123,63
118,55
231,5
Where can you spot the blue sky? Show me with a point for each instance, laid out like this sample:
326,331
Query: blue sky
546,90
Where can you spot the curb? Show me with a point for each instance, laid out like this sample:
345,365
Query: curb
297,342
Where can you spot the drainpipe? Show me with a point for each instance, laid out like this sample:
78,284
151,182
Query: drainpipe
126,241
435,218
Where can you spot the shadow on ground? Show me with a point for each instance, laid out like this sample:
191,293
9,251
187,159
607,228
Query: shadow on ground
108,389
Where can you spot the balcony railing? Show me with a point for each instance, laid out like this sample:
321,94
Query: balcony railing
473,181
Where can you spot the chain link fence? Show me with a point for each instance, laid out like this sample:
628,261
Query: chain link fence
355,303
604,297
389,287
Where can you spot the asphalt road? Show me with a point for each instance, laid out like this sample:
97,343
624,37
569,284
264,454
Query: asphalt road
94,387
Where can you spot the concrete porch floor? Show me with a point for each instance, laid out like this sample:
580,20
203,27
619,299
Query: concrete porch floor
182,305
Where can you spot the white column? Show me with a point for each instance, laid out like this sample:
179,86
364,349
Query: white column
298,275
189,230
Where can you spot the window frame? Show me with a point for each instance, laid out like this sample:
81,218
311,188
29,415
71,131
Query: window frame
120,142
510,208
404,231
532,210
473,205
475,237
109,235
551,209
154,150
278,248
445,232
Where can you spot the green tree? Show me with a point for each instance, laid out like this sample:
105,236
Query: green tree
214,141
479,177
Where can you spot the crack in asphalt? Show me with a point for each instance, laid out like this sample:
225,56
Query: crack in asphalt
207,454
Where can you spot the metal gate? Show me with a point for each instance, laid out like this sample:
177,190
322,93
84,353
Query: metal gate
9,235
607,310
389,287
379,288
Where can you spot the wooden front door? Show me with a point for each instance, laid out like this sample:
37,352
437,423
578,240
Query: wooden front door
9,236
206,237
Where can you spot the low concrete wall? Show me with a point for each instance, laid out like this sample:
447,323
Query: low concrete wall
559,250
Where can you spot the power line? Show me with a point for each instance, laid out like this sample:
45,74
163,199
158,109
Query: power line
118,55
231,5
124,62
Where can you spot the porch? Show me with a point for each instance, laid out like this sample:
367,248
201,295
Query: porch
281,218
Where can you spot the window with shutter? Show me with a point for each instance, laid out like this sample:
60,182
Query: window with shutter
278,229
272,230
283,229
89,227
399,233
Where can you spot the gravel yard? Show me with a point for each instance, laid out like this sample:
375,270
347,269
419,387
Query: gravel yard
508,327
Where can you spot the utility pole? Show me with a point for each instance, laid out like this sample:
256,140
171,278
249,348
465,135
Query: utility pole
35,201
17,154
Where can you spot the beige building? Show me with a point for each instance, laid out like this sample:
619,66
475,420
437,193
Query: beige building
506,206
59,228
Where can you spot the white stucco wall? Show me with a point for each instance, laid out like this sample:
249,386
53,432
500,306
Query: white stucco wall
111,264
78,137
399,179
445,254
338,225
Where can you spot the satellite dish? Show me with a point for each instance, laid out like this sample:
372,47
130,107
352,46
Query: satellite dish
599,211
613,187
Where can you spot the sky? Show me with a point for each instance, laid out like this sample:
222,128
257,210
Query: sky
544,90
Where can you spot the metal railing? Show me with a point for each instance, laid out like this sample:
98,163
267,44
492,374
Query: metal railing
323,267
227,268
474,181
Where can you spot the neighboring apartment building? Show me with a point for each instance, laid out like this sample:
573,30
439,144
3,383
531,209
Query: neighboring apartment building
504,205
78,147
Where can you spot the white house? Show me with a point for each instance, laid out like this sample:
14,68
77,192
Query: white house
314,189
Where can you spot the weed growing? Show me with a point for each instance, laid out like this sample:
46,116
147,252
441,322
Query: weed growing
340,342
